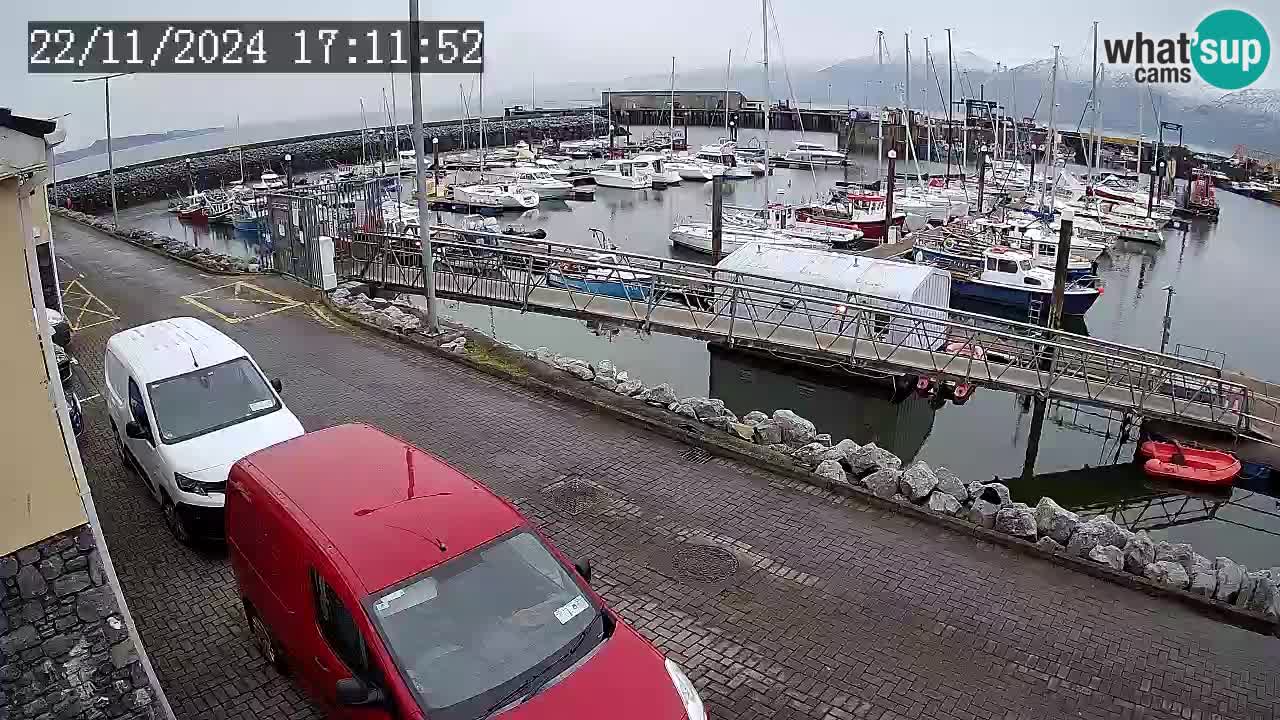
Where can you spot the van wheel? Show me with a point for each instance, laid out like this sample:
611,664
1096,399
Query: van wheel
265,641
176,523
121,452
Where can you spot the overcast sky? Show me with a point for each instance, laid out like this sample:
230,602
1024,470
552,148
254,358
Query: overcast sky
556,41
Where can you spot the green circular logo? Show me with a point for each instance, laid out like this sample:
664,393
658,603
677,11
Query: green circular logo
1231,50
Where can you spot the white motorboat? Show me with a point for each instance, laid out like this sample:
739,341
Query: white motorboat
550,167
626,174
269,181
697,237
657,165
693,168
504,196
813,153
724,153
538,181
407,160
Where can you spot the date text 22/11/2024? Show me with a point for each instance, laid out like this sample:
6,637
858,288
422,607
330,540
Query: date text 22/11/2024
257,47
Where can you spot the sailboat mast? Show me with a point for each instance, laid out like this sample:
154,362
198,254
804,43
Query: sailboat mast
364,130
728,74
880,103
481,121
764,25
1051,133
671,119
950,102
1093,105
241,140
1137,168
906,109
924,105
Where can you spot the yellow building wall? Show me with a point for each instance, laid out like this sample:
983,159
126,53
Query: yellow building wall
38,492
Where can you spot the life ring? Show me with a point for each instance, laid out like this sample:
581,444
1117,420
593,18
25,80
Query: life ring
949,243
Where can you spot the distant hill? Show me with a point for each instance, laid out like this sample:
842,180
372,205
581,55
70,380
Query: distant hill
128,141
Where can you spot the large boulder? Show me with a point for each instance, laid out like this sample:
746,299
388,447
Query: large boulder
795,429
662,395
1016,519
984,513
1180,553
1109,555
883,483
1204,581
1264,596
810,455
605,381
917,482
683,407
629,388
1055,521
768,433
1229,578
582,371
1167,573
1098,531
742,431
944,503
841,450
832,470
951,484
870,458
1048,544
755,417
1139,553
606,368
704,408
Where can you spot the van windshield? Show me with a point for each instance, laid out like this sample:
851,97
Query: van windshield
209,399
488,628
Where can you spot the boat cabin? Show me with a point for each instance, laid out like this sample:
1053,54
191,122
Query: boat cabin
1006,266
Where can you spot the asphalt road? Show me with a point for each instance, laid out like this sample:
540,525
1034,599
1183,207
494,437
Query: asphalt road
781,600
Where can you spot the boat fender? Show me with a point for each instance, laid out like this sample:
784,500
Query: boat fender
960,394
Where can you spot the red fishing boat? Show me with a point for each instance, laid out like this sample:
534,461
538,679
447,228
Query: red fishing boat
854,211
1202,466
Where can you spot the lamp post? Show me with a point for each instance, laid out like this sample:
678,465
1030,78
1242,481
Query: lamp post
420,169
191,178
1151,189
288,170
111,166
1168,317
435,160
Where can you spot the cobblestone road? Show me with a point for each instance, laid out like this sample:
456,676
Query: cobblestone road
783,601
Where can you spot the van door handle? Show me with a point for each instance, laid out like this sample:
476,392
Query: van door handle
321,665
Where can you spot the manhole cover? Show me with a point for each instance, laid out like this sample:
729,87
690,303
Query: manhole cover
697,456
703,563
575,495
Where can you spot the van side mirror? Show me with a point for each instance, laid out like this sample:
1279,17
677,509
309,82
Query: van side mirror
279,386
135,431
584,569
354,692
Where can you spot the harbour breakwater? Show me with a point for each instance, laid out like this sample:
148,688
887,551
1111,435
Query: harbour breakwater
180,175
1216,585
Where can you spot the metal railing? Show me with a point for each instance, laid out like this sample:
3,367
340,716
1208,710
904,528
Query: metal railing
662,294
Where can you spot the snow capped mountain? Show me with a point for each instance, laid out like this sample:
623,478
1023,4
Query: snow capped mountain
1254,101
967,60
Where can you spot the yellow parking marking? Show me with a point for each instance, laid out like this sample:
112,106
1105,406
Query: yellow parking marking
83,309
241,292
323,317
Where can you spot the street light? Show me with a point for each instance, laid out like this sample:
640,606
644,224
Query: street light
111,167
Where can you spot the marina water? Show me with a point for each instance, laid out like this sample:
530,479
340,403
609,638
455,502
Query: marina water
1222,273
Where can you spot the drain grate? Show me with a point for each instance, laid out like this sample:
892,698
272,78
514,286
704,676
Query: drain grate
575,495
696,455
703,563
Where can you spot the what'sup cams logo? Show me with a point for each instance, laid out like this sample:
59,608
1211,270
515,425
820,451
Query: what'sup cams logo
1229,49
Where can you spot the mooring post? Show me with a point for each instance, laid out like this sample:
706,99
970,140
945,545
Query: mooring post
888,198
717,216
1168,316
1060,268
435,161
982,174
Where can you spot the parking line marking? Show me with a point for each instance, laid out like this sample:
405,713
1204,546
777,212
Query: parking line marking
79,301
284,302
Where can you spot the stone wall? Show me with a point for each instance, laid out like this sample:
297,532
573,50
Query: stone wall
65,651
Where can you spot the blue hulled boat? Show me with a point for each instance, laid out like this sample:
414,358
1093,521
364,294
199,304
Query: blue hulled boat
623,284
1010,279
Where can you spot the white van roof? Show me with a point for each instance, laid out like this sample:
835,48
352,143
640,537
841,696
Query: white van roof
167,348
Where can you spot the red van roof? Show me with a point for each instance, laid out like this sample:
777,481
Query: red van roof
383,504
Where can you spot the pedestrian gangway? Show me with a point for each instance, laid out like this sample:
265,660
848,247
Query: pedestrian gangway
666,295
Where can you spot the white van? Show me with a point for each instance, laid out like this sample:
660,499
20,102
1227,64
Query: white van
185,403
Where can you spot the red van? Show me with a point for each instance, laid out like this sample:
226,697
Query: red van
394,586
